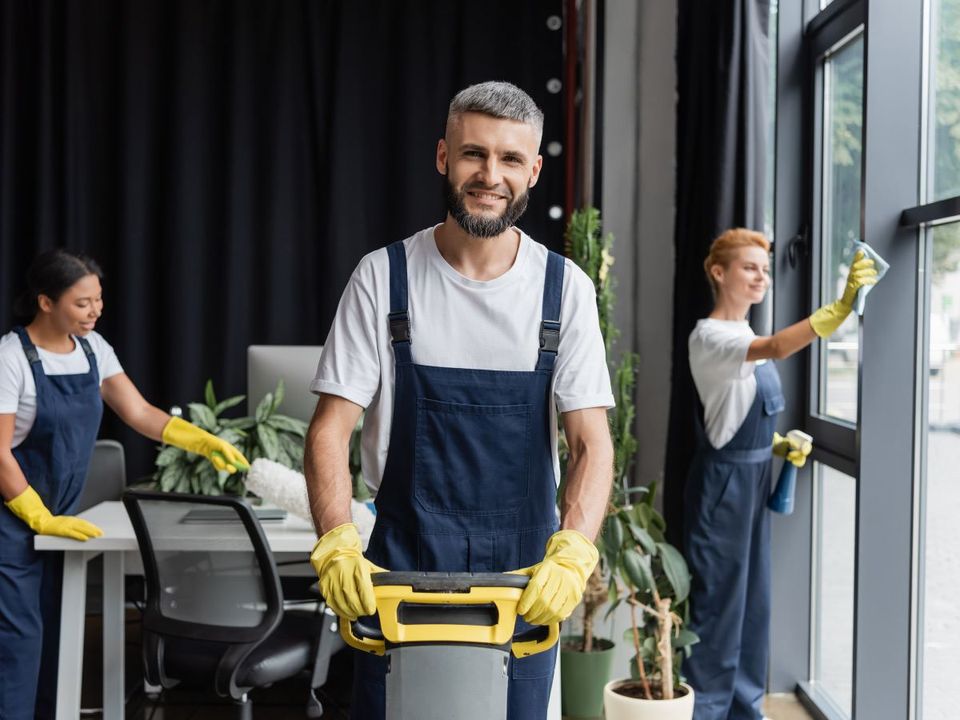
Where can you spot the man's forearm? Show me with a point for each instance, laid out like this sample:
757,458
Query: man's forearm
589,478
326,466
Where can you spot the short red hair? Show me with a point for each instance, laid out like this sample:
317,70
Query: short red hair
724,249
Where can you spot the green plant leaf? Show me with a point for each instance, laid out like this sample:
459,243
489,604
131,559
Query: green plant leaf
208,395
294,449
642,538
228,403
614,604
683,639
203,417
637,571
241,423
288,424
167,456
232,435
264,408
269,441
675,568
277,396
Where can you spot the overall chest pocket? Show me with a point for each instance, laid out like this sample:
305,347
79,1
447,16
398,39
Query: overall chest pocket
472,459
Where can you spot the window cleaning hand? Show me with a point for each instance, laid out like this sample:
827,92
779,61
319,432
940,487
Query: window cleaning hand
557,583
186,436
793,449
344,572
827,319
30,508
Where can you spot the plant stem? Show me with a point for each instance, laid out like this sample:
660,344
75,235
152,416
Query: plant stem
636,645
665,651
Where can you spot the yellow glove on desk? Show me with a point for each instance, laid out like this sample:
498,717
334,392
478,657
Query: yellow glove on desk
30,508
344,572
793,450
186,436
827,319
557,582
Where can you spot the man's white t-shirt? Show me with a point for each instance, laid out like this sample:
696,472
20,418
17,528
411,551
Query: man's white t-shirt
461,323
724,378
18,391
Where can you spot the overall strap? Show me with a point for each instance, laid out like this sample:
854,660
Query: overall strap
398,318
550,315
91,357
29,349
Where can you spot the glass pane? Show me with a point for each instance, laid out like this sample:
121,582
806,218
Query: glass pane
770,185
940,644
840,219
836,524
944,140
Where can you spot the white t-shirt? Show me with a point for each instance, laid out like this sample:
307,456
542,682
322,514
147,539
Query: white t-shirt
18,391
461,323
724,378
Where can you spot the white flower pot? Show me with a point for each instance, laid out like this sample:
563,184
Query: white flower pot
621,707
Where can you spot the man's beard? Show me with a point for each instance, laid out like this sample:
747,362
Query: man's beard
482,226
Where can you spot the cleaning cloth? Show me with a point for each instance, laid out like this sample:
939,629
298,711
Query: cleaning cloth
881,266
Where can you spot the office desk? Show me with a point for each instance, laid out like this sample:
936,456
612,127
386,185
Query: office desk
118,546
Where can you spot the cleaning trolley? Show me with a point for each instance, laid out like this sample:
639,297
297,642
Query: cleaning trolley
447,638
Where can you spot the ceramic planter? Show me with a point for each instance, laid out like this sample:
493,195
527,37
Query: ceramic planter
621,707
582,679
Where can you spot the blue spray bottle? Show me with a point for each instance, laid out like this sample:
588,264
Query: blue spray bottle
781,501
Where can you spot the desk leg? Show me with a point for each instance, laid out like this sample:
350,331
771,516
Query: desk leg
72,612
113,636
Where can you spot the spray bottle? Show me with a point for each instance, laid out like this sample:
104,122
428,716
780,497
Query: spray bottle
781,501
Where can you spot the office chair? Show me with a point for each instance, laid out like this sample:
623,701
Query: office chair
106,476
214,608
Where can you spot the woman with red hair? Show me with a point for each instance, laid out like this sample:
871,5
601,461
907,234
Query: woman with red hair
727,526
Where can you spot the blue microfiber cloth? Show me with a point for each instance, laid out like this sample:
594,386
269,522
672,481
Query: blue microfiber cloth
881,266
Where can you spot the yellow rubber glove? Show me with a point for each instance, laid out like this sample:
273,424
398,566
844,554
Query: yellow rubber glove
30,508
827,319
793,450
557,582
187,436
344,572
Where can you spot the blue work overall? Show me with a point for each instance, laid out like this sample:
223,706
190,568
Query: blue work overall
54,458
727,539
469,479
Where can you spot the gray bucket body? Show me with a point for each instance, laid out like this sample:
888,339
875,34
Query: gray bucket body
440,682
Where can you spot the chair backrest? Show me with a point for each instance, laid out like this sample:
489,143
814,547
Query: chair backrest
208,568
106,476
296,365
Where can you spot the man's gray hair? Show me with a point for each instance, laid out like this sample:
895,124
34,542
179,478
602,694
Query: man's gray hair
499,100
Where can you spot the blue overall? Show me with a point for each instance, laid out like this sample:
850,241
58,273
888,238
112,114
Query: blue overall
54,458
469,481
727,539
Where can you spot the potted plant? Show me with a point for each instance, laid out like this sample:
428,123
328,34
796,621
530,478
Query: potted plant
265,434
585,660
651,576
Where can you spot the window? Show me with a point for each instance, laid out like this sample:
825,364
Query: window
944,134
835,518
839,226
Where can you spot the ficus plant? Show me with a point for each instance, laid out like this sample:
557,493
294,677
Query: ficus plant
651,576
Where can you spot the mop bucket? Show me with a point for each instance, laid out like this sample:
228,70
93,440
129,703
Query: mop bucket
447,638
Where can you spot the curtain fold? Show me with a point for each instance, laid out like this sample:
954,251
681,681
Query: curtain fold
229,162
722,70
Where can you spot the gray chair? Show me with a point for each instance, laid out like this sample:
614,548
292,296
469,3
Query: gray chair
106,476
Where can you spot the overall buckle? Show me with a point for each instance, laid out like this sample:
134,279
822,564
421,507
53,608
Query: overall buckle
549,336
399,326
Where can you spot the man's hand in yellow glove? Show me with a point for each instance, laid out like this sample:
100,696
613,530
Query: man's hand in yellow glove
344,572
556,583
189,437
30,508
827,319
793,449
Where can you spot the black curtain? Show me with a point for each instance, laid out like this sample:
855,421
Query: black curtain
228,163
722,71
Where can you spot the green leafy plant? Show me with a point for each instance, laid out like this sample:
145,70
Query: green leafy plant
651,576
265,434
592,251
